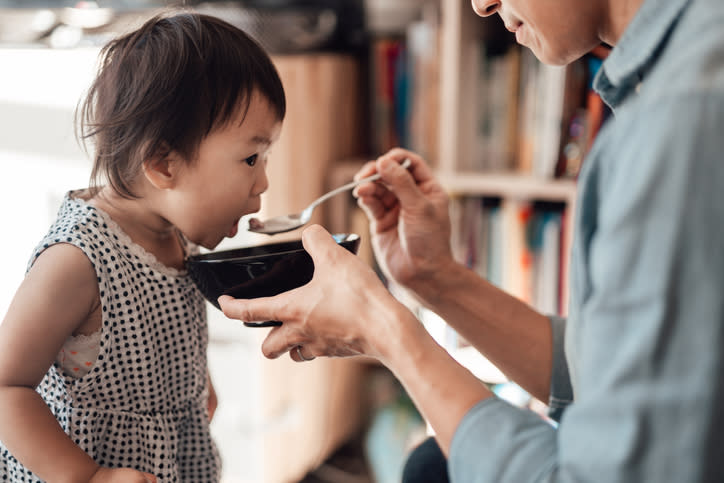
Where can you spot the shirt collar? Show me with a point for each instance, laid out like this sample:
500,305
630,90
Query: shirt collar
637,49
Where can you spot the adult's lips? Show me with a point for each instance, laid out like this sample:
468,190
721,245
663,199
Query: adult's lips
513,26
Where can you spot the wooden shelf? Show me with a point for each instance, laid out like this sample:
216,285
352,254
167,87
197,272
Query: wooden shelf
508,185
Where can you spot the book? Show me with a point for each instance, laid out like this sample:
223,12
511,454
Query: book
423,89
384,64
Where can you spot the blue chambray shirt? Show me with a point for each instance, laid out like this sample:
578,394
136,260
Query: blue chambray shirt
640,384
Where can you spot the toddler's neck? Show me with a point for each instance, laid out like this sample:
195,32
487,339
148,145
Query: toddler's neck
143,226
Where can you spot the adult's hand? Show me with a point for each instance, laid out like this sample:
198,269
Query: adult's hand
409,219
344,310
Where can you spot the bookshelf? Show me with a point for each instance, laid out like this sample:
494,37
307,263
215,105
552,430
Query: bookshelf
506,136
458,36
506,127
505,185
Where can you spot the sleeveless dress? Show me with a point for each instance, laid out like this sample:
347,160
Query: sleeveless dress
143,404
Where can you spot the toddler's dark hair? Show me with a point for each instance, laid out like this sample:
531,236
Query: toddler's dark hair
164,87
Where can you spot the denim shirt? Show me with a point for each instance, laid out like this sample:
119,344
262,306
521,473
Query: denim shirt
638,372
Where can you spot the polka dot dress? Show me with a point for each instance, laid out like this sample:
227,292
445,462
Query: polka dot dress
143,403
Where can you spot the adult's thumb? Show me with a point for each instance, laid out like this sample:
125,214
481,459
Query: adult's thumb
317,241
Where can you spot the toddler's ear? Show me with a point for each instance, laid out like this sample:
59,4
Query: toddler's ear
161,169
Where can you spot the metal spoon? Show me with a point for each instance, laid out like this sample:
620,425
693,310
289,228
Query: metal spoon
281,224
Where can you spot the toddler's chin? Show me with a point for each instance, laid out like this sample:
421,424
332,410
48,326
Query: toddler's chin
210,245
206,242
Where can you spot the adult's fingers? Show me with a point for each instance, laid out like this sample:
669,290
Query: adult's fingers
419,169
249,310
402,182
368,169
320,245
281,338
284,307
300,353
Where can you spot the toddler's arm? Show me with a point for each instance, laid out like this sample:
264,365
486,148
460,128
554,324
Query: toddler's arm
213,399
57,296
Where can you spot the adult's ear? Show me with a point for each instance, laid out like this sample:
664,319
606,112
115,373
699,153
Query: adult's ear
161,169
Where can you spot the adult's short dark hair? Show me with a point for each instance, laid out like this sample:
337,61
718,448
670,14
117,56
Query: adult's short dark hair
164,87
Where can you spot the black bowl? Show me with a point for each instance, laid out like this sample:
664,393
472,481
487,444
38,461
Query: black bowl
257,271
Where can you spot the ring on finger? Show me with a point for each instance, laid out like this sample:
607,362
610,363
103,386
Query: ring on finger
301,355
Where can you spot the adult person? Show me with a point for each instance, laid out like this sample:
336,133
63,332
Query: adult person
639,383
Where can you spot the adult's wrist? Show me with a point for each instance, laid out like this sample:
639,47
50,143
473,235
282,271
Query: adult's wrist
433,286
398,327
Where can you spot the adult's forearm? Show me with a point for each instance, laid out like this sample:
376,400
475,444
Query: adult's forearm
441,389
31,433
508,332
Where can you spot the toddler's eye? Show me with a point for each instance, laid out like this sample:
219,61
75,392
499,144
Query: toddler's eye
251,160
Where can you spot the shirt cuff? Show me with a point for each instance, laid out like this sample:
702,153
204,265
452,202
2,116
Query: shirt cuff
561,390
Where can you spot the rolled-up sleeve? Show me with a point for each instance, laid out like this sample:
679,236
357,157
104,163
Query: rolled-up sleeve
528,452
561,390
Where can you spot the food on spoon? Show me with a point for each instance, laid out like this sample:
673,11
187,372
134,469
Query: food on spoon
255,224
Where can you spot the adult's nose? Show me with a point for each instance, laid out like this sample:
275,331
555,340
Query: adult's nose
486,8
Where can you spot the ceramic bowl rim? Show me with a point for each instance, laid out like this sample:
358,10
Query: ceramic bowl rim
211,257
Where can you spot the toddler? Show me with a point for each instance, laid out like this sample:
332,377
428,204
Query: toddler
103,372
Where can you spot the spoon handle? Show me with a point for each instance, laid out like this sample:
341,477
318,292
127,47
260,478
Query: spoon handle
405,164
